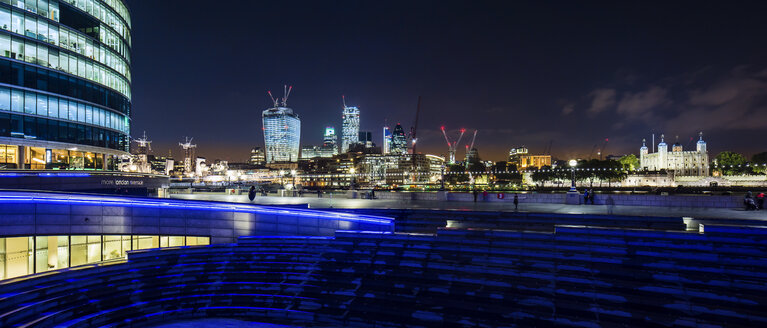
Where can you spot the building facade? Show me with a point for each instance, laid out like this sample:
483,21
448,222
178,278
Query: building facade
398,141
282,134
330,140
351,127
681,162
65,84
386,148
257,157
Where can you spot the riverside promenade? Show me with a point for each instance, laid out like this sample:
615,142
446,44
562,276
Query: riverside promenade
341,202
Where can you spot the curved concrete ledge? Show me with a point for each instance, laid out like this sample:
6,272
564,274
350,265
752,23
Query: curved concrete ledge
39,213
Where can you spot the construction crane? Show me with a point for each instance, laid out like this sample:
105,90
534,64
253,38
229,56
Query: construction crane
188,154
281,101
451,146
602,150
144,144
414,128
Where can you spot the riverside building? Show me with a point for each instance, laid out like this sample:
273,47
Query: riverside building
65,84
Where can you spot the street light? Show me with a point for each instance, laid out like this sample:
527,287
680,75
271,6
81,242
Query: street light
351,182
573,163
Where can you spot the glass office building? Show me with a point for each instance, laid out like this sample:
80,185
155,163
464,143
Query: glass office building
282,134
351,127
65,99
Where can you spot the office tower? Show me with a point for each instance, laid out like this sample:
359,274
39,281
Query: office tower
65,84
386,140
399,141
330,139
282,131
351,127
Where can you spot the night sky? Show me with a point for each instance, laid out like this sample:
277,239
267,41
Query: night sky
522,73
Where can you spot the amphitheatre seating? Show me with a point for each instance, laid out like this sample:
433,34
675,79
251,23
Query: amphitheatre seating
574,276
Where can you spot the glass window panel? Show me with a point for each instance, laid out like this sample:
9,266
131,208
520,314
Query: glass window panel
17,49
53,107
5,19
17,256
5,45
5,99
163,241
29,102
89,114
113,247
42,56
203,240
42,105
17,22
30,52
30,27
17,100
41,253
176,241
94,249
72,111
81,112
146,242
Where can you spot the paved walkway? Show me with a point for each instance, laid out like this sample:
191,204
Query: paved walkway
318,203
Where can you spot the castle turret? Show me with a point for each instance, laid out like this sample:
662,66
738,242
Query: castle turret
662,154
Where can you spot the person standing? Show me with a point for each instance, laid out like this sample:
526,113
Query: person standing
484,195
475,195
516,202
591,196
760,201
586,196
252,193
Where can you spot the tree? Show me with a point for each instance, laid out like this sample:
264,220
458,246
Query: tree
730,163
758,162
629,162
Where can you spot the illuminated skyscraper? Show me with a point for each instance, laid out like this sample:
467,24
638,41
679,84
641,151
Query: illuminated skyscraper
386,140
282,134
330,140
398,141
351,127
282,130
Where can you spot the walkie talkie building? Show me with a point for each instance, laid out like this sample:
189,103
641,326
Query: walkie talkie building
65,99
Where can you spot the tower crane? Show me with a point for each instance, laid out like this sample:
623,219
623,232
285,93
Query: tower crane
451,146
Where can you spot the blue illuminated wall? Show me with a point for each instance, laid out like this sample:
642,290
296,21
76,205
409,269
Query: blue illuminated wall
31,214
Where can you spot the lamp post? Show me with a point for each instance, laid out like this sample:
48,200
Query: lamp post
351,181
573,163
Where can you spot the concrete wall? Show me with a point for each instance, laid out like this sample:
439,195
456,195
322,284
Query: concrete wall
600,199
29,214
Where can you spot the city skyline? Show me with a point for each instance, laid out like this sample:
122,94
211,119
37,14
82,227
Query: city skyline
525,76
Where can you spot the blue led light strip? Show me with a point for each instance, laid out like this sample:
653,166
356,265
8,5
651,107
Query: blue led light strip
95,200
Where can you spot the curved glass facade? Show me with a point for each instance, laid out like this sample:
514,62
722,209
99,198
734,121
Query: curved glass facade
64,82
282,134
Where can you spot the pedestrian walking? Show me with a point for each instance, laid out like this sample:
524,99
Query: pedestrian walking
586,196
252,193
760,201
484,195
516,202
591,196
319,193
475,193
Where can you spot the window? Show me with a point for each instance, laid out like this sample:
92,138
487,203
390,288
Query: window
29,103
17,100
5,19
5,99
5,45
42,105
